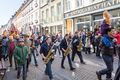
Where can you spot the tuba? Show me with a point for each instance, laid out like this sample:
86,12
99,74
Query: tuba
80,45
49,56
68,50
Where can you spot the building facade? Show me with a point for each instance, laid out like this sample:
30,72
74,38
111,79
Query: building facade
51,16
26,18
86,14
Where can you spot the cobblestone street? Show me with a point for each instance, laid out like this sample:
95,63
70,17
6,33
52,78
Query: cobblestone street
82,72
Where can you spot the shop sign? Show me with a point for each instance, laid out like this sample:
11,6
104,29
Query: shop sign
101,5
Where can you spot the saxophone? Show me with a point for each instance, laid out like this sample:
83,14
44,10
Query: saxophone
80,45
68,50
49,56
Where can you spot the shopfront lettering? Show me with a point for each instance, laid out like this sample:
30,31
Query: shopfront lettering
101,5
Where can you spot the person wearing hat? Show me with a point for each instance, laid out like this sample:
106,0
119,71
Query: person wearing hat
20,54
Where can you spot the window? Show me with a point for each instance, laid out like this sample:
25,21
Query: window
52,13
43,16
31,17
79,3
36,15
59,11
47,13
68,5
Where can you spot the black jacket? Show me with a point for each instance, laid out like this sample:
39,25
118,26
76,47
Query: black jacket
44,49
75,42
63,44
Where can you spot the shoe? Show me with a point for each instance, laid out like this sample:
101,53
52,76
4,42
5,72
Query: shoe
10,65
83,63
62,67
36,65
98,75
72,69
15,68
18,76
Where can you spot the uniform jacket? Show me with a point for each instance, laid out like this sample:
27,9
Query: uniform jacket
63,44
44,49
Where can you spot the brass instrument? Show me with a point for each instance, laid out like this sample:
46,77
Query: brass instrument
49,56
68,50
79,46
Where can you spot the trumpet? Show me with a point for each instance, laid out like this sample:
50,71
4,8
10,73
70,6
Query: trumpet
49,56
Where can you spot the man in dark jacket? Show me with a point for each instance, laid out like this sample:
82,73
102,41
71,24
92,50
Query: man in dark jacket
45,48
63,46
75,44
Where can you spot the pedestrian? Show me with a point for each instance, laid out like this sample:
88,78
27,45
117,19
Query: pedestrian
11,47
5,47
76,42
107,50
45,48
87,44
28,44
20,54
33,49
117,36
63,46
1,50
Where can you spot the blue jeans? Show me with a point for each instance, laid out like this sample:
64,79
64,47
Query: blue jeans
24,72
108,59
48,70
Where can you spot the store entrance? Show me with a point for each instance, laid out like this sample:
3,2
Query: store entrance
83,26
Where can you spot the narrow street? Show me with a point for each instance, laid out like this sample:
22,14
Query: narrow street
82,72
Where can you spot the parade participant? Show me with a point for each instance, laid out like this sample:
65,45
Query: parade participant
11,47
1,49
45,48
106,23
20,54
117,36
63,46
33,49
107,51
75,44
28,44
58,40
5,46
83,39
87,44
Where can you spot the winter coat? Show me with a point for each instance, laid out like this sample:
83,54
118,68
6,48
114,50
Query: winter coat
20,54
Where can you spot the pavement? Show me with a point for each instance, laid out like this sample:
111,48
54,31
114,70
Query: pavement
82,72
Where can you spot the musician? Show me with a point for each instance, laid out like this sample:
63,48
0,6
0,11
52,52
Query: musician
75,44
63,46
45,47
